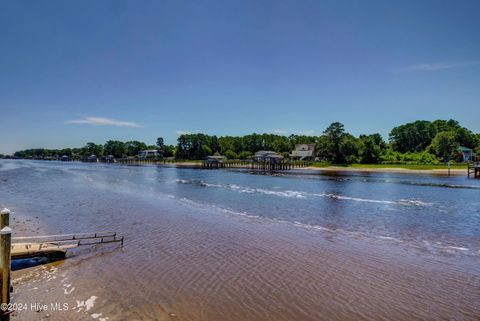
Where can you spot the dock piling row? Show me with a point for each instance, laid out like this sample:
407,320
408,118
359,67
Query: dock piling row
262,165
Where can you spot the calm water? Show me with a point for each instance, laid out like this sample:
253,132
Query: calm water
234,245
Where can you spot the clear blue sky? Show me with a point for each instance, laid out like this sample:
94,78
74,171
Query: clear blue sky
79,71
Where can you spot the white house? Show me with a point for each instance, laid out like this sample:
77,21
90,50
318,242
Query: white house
149,153
466,154
303,152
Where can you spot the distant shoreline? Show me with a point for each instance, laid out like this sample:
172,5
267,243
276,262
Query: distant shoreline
360,168
393,169
377,168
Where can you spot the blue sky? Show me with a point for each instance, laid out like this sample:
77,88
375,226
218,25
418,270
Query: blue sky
79,71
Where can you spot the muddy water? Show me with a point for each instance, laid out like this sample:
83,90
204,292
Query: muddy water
224,245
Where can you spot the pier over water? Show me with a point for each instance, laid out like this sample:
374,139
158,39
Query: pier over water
474,170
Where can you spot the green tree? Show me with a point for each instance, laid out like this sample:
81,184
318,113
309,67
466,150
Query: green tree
229,143
168,151
445,125
371,148
477,148
230,154
183,147
349,149
205,151
134,146
160,147
322,148
281,144
196,146
115,148
444,144
465,137
92,149
334,135
412,137
66,152
245,155
417,136
301,139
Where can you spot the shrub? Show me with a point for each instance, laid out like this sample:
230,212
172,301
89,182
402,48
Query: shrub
230,154
244,155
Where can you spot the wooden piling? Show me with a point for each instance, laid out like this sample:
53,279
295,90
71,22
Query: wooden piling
474,170
5,262
4,218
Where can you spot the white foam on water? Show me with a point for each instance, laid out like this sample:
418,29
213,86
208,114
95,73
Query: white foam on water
459,248
9,166
87,304
301,194
98,316
425,244
68,291
414,202
356,199
387,238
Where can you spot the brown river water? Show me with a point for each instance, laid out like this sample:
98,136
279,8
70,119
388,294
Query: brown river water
225,245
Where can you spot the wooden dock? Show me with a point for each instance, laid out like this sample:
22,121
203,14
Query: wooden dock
147,161
260,165
44,248
474,170
57,245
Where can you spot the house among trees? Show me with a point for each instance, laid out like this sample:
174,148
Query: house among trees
108,159
303,152
465,154
148,153
92,159
267,156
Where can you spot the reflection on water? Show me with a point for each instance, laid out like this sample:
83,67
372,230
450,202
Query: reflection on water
228,245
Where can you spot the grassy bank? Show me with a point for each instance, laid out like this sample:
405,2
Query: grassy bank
402,166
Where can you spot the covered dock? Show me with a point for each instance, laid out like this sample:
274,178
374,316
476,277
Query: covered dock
262,160
474,170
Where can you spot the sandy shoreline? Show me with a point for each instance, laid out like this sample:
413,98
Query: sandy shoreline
389,170
38,290
393,169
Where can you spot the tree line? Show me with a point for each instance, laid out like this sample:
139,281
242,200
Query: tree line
116,148
422,142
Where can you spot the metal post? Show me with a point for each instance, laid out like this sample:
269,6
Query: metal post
5,248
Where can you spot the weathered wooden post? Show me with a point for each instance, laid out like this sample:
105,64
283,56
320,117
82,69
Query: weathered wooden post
4,218
5,258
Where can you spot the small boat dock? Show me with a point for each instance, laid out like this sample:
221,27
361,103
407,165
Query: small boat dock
57,245
474,170
37,248
262,160
260,165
